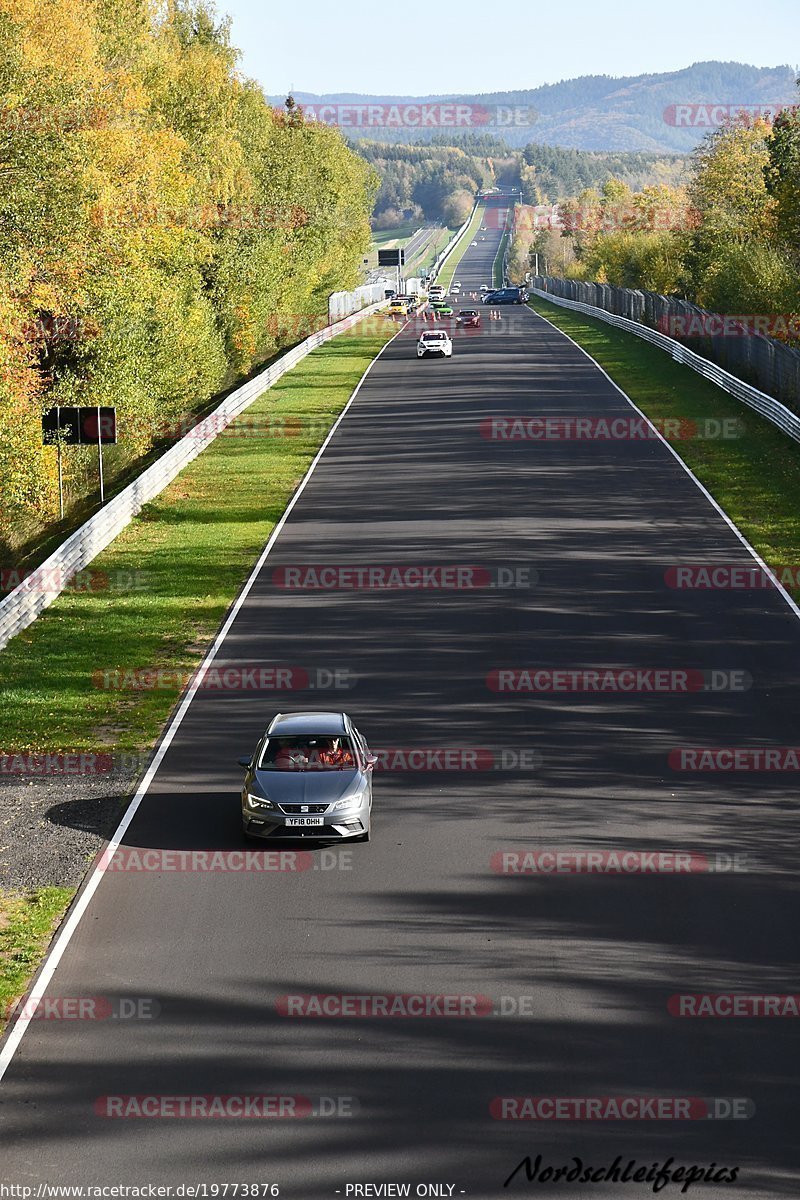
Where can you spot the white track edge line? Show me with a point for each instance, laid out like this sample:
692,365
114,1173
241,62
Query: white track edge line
728,520
64,936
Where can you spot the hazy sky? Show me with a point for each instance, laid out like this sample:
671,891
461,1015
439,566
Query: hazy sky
471,46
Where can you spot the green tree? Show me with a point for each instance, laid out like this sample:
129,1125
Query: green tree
782,177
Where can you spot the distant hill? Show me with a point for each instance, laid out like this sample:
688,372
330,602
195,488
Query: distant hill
599,112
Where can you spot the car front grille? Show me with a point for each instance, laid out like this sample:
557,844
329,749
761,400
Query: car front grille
304,808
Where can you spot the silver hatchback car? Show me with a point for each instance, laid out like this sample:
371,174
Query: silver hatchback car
310,776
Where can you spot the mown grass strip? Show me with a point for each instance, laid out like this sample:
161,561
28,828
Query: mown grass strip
445,276
155,597
430,253
497,266
388,238
171,576
27,922
754,477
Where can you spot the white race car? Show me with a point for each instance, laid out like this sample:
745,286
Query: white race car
434,341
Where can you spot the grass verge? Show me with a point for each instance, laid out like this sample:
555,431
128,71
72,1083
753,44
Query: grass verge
497,265
27,922
430,253
155,598
158,593
754,477
388,238
445,276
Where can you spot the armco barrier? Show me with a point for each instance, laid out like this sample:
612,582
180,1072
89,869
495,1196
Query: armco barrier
22,606
451,245
765,363
767,406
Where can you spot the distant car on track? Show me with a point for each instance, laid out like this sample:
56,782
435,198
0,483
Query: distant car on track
434,341
403,306
508,295
309,776
469,318
442,308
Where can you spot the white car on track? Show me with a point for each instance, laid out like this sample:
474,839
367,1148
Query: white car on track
434,341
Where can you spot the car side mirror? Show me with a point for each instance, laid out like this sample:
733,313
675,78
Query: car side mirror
244,761
371,760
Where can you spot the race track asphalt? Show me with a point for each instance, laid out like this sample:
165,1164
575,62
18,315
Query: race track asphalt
578,967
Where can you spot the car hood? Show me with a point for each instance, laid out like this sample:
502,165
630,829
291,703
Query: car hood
307,787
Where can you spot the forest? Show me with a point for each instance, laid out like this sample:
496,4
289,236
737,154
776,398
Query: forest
437,180
728,239
156,212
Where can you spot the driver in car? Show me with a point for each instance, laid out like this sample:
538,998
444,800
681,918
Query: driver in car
290,758
335,756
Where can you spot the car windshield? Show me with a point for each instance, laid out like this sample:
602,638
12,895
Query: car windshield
468,312
307,753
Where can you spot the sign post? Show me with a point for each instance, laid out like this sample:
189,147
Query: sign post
392,258
80,427
100,455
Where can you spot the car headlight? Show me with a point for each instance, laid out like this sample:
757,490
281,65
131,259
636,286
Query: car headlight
350,802
258,802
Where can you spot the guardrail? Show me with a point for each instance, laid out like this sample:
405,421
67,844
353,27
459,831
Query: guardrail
451,245
733,343
767,406
21,607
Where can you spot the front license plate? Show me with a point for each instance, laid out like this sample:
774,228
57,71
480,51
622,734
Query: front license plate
305,821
